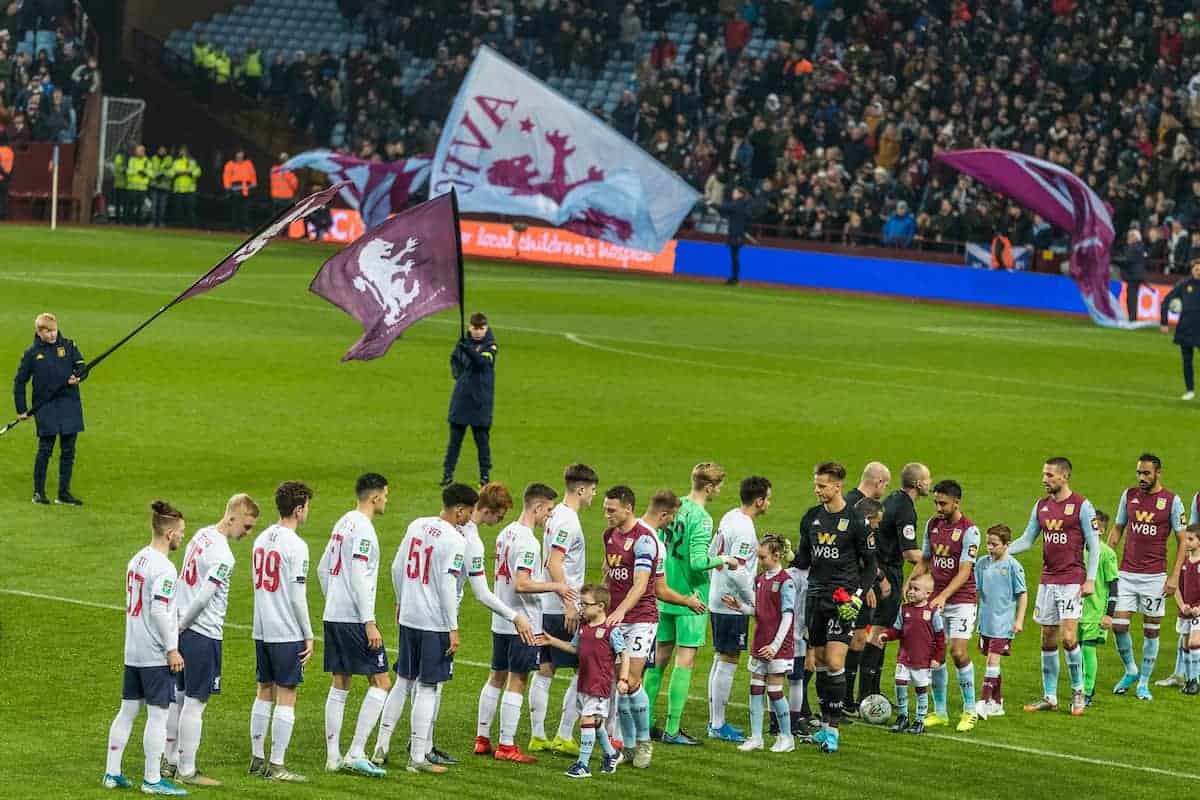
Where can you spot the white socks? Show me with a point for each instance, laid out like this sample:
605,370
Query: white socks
173,712
154,741
260,720
720,684
510,716
281,732
539,702
368,715
191,723
118,734
570,710
335,711
424,702
489,698
393,710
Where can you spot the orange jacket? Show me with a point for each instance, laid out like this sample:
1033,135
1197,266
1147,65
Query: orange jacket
6,158
240,176
283,184
1002,253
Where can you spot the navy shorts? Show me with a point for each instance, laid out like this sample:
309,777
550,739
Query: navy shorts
729,632
510,654
278,662
556,626
155,685
422,656
347,652
201,674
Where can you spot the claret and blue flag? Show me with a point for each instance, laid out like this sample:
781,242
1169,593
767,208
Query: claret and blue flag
512,145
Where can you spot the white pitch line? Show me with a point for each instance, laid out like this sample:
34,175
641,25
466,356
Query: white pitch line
1033,751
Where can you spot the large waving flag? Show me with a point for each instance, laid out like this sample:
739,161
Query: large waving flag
375,188
512,145
1065,201
407,268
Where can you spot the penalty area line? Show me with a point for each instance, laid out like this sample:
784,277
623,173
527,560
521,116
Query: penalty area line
1033,751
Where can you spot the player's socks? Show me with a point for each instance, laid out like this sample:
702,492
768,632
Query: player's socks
805,678
1181,652
853,659
282,722
821,679
922,703
652,683
154,741
720,687
939,677
628,723
1149,652
587,742
437,710
570,710
966,685
1089,668
173,712
260,720
191,724
796,695
368,715
779,705
837,696
393,710
677,695
758,706
423,705
1050,673
991,678
510,716
489,698
1192,667
1125,650
606,745
902,698
871,668
640,704
539,703
118,734
998,694
335,711
1074,667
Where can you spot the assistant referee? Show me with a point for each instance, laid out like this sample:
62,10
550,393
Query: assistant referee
55,365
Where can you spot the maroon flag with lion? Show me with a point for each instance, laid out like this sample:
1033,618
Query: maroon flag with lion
397,273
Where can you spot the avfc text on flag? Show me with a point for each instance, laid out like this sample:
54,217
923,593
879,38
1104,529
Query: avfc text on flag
374,189
512,145
405,269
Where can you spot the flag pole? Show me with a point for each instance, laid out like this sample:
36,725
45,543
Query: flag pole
462,288
90,365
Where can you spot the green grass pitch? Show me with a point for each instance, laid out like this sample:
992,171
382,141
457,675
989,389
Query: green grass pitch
639,377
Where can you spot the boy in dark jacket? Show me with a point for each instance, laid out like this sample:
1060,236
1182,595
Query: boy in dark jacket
473,365
56,366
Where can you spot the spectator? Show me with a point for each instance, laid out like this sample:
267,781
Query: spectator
162,177
1002,251
239,179
185,173
284,184
900,227
631,31
137,184
57,122
1178,248
252,70
6,168
1133,270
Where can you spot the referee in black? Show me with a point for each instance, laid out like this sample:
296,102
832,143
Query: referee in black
873,484
897,544
55,365
837,550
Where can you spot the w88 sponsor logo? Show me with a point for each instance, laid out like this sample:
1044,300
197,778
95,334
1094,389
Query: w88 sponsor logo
1055,537
945,562
619,573
827,551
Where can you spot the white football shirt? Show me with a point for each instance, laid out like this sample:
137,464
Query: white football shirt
564,533
280,567
349,570
430,555
517,549
208,559
735,537
473,554
149,593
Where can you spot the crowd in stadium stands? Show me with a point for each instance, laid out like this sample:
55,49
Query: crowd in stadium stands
833,130
45,73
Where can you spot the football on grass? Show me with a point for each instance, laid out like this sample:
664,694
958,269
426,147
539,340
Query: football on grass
875,709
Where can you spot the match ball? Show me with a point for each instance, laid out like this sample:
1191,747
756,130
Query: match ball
875,709
1175,306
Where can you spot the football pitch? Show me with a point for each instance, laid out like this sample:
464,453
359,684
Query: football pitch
639,377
